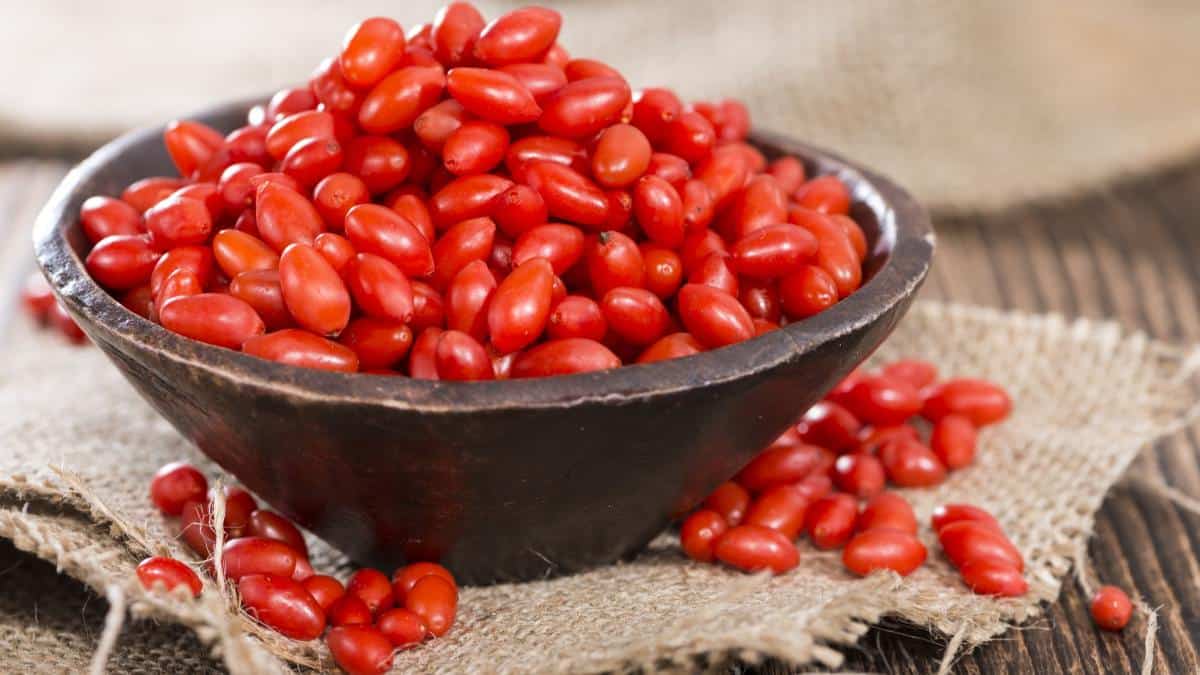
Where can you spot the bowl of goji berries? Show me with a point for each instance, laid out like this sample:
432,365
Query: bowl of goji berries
463,297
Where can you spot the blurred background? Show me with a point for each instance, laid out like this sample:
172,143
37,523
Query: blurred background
970,104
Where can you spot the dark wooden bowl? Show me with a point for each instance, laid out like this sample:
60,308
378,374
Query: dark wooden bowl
507,480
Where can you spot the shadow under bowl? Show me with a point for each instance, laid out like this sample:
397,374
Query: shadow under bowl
500,481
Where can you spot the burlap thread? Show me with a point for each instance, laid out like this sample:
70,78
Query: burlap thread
77,448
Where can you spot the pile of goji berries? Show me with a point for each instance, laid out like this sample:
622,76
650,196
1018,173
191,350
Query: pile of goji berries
847,449
265,556
468,202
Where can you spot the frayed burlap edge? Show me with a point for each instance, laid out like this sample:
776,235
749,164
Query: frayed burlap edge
62,521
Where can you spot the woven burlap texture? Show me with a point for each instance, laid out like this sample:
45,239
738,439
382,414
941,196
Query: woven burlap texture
77,448
971,103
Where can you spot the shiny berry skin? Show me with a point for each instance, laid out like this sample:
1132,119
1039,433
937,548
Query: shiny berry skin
468,240
454,31
122,261
581,69
653,110
349,610
699,532
531,149
519,209
168,573
519,36
671,168
883,549
214,318
779,464
264,523
753,548
621,155
102,217
568,194
236,252
377,343
910,463
401,627
564,357
730,500
830,425
993,576
980,401
260,289
467,299
336,194
830,520
296,347
659,211
542,80
773,251
584,107
835,252
289,131
475,147
196,528
967,540
422,358
324,589
395,103
671,346
859,474
178,221
826,194
406,577
952,513
179,284
562,245
285,216
191,145
435,600
176,484
244,556
890,510
807,292
283,605
372,587
714,317
881,400
953,441
314,293
612,260
380,162
520,307
378,287
360,650
699,246
492,95
780,508
376,229
372,49
663,270
690,136
459,356
434,126
1111,608
576,316
465,198
635,314
147,192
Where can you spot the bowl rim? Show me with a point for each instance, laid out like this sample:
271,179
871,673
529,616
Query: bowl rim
906,234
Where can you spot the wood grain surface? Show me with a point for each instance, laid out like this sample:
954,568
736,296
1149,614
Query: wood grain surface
1130,252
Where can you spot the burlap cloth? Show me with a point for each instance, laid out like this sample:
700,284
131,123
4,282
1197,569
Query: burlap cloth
976,103
77,448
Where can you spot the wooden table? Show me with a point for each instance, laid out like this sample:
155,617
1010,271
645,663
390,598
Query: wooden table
1130,252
